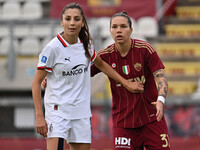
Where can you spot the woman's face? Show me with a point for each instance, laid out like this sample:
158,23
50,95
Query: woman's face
72,21
120,30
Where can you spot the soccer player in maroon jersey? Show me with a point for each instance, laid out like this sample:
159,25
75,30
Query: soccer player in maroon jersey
138,119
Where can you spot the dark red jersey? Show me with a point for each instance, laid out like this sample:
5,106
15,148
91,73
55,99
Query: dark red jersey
131,110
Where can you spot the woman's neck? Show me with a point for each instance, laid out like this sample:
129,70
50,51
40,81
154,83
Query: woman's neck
123,48
70,39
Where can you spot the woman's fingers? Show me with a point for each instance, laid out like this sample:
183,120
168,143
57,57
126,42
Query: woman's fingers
42,131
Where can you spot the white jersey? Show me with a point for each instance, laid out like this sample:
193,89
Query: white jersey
68,88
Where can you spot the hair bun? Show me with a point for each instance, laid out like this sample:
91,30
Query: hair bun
124,12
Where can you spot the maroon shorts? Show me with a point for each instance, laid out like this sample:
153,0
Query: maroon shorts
153,136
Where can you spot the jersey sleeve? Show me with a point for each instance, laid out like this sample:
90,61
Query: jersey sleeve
94,69
92,52
154,62
46,59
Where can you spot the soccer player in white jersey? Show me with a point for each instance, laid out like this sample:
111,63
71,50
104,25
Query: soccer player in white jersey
65,60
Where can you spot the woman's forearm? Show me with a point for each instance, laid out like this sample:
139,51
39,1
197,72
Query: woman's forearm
109,71
161,81
36,91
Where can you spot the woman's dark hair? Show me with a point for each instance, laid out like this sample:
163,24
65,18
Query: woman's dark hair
123,14
84,34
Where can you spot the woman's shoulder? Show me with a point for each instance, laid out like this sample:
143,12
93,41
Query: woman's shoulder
50,46
143,45
108,50
140,42
53,42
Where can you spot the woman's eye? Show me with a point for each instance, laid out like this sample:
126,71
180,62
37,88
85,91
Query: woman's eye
124,26
114,26
76,19
68,19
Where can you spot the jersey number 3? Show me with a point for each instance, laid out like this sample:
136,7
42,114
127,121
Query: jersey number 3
164,137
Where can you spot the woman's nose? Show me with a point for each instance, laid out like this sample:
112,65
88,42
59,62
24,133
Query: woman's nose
72,22
118,29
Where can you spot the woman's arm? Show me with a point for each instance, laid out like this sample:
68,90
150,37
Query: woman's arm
135,87
162,84
41,125
161,81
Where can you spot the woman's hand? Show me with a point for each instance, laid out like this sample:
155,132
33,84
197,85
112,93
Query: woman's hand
159,107
134,87
44,83
41,125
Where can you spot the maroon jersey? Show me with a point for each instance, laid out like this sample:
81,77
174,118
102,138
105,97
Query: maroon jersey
130,110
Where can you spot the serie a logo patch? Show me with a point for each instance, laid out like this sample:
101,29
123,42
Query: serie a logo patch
44,59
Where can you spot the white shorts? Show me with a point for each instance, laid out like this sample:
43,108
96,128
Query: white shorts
73,131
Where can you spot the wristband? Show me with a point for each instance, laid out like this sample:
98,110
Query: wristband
162,99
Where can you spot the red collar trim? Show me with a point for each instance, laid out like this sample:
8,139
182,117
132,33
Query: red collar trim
61,40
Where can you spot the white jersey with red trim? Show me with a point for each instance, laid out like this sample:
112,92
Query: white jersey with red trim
68,79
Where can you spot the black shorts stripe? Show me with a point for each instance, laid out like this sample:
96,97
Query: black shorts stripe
60,143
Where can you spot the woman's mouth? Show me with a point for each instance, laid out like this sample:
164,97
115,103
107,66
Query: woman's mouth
119,37
72,29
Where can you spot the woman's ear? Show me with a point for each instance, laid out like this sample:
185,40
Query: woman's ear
61,23
83,23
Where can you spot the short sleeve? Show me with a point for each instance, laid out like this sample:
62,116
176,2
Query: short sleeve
154,62
92,52
46,59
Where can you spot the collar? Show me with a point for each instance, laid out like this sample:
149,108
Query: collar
63,41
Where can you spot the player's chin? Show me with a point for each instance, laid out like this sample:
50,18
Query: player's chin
119,41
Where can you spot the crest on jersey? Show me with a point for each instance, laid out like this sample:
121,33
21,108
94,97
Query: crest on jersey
126,69
138,66
113,65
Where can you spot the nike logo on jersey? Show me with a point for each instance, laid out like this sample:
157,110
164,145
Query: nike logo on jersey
68,59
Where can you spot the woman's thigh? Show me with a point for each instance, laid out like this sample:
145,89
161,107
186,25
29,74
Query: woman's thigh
55,144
